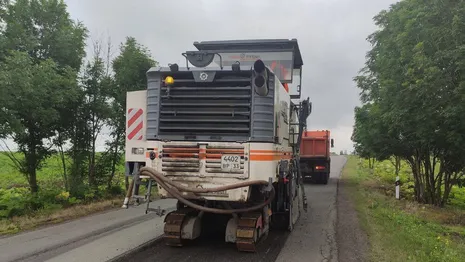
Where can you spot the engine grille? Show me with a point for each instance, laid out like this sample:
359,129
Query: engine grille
204,160
214,109
184,159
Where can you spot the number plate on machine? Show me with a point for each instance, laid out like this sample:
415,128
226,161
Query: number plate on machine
231,163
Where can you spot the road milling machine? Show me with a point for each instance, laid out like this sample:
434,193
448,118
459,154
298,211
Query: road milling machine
222,136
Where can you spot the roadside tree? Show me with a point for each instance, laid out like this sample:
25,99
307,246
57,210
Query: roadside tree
413,86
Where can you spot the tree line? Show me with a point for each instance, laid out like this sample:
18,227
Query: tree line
413,94
53,101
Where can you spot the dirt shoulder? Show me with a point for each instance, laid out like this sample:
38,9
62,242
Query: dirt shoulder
352,241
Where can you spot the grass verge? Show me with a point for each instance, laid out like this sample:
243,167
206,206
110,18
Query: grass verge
401,230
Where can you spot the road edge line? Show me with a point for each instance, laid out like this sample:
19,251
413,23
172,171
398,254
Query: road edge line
142,247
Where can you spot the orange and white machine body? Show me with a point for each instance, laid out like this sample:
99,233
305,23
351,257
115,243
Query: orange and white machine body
225,118
203,164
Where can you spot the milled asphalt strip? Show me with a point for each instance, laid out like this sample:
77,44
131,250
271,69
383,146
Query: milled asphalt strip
88,237
62,236
76,244
113,244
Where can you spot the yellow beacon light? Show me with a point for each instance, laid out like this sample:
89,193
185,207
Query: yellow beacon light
169,80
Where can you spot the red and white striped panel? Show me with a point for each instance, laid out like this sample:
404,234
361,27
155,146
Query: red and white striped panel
135,123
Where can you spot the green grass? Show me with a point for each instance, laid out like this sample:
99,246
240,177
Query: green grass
50,173
20,210
403,230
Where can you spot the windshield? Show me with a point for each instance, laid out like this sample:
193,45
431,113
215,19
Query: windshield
279,62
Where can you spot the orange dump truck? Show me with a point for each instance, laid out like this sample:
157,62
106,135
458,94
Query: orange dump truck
315,160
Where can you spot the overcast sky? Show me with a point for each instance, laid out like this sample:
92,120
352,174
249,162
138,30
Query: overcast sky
331,34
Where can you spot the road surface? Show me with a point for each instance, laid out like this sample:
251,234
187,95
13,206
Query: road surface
313,238
94,238
122,235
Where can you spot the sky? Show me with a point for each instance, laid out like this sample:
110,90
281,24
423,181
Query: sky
331,34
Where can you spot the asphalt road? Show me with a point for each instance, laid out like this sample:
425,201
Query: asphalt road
313,239
129,235
99,237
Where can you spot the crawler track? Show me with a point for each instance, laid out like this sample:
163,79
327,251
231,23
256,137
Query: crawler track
210,247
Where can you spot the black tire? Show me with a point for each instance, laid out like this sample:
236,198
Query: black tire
325,179
280,221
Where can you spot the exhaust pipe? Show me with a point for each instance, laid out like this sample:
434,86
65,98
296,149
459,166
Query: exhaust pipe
260,78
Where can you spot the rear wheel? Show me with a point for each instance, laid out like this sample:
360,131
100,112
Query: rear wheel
292,197
325,178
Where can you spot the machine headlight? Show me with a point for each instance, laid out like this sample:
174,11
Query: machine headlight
138,150
169,80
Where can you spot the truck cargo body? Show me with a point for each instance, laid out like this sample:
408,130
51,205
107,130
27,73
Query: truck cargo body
315,161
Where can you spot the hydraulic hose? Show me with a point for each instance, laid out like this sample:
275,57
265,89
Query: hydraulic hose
164,182
152,172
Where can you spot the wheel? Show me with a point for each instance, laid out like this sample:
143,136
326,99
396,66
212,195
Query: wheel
325,179
280,221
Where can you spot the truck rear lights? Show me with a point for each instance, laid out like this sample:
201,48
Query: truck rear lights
320,167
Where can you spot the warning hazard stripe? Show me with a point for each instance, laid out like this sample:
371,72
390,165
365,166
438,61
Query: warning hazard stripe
135,124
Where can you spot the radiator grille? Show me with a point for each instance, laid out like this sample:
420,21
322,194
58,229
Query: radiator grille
217,108
184,159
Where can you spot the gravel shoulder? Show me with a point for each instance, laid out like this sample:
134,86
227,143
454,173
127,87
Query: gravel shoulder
352,241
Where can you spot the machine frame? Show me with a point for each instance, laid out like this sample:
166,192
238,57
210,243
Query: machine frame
194,156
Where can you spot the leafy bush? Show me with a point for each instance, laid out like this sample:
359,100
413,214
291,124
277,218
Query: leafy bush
19,201
13,202
116,190
457,197
384,172
16,199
